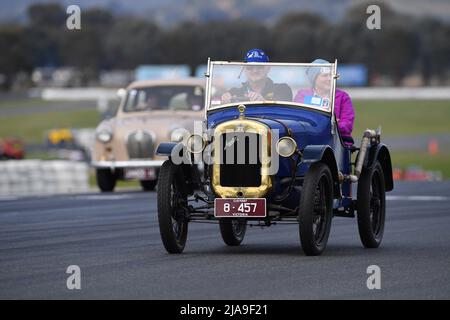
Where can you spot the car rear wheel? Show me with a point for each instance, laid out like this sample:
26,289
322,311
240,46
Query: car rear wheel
172,207
371,206
233,230
316,209
106,180
148,185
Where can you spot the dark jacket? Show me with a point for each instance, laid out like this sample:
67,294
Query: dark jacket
271,91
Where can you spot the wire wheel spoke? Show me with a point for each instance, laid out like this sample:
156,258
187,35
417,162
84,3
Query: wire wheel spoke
177,217
320,211
238,227
375,203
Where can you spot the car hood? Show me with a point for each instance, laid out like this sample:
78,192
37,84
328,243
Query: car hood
161,123
304,124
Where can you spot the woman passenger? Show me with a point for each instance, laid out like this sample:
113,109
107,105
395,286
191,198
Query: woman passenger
320,79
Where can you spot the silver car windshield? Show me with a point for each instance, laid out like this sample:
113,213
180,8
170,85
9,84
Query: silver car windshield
308,85
164,98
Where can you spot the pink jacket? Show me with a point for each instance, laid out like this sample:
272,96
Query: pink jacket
343,109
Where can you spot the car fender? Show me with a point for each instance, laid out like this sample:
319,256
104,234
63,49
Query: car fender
165,148
381,153
169,149
323,153
184,161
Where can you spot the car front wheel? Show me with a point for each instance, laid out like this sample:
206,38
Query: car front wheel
233,230
148,185
172,207
371,206
316,209
106,180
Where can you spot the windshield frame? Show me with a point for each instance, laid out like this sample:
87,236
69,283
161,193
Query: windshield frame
209,80
125,101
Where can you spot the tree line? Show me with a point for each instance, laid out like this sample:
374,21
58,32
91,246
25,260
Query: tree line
106,41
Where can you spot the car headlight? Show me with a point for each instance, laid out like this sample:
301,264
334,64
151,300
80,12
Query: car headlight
104,136
195,143
286,146
178,134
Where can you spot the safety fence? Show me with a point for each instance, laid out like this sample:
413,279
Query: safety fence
43,177
399,93
363,93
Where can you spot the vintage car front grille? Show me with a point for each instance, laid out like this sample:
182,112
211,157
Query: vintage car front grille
140,145
240,164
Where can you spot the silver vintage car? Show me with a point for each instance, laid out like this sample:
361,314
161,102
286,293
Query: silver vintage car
150,112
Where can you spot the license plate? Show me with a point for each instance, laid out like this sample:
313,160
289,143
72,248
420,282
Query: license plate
252,208
141,173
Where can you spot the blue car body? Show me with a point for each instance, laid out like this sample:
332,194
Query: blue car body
268,157
310,128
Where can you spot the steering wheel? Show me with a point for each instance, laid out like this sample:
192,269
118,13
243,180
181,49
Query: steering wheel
239,98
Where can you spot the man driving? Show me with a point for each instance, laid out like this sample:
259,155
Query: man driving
259,86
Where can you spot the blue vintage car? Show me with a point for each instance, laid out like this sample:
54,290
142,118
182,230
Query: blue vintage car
270,152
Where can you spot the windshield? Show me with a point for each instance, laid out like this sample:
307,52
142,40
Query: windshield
164,98
308,85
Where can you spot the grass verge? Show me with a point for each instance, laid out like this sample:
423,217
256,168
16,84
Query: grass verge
402,117
32,127
439,162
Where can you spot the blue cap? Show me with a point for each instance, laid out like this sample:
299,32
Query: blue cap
313,72
256,55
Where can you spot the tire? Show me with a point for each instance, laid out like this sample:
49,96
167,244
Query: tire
106,180
233,231
371,206
173,223
316,209
148,185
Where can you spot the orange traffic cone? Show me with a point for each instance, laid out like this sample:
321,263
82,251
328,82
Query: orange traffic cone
433,147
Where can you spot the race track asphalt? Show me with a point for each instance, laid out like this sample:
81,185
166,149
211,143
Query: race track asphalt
114,239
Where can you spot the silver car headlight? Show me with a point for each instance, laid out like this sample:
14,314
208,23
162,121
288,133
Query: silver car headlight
178,134
195,143
104,136
286,147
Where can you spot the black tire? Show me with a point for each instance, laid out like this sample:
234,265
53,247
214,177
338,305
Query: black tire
106,180
173,223
233,231
148,185
316,209
371,206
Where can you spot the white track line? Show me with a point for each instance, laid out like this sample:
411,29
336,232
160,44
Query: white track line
390,198
8,198
76,197
418,198
104,197
126,196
